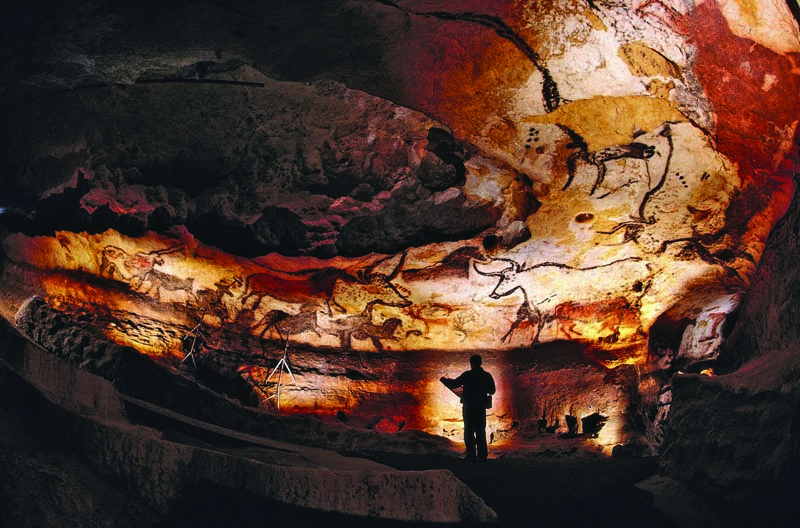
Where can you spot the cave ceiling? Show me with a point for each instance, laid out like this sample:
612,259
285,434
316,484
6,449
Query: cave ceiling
395,175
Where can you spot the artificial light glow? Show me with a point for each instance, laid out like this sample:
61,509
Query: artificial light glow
150,293
372,304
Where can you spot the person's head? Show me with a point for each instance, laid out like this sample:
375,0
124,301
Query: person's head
475,361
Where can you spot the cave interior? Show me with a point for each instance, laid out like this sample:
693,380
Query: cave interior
309,213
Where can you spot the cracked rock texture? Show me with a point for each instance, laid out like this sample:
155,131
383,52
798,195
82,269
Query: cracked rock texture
735,437
159,468
387,186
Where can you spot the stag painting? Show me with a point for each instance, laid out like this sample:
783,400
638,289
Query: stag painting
368,288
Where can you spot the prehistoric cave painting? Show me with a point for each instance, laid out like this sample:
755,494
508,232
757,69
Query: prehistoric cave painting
462,322
633,150
454,266
159,282
374,332
329,302
139,271
293,287
550,93
369,288
685,204
362,327
285,323
665,132
552,282
212,300
665,193
528,315
508,283
116,263
669,12
610,316
331,286
430,313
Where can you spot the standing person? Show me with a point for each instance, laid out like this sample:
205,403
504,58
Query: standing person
478,386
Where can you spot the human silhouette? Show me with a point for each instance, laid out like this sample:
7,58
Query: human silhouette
477,387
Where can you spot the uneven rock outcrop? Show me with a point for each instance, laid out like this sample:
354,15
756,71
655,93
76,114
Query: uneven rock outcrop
160,468
387,186
734,437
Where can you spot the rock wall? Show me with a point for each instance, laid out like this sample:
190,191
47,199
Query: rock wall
87,413
563,140
482,176
735,437
356,397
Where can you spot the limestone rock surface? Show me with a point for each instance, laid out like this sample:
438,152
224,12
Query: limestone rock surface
385,187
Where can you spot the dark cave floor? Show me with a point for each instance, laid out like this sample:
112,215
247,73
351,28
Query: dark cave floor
47,483
541,491
530,493
562,492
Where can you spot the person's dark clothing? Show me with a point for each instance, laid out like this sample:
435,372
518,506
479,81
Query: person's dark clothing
477,386
475,432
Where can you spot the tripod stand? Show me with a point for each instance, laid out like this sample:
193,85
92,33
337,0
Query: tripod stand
194,333
282,364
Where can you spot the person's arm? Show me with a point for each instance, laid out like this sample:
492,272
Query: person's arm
452,383
491,386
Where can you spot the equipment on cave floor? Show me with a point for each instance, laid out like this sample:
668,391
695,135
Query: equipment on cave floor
194,333
279,368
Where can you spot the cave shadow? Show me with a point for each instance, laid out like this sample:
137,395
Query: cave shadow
212,506
558,492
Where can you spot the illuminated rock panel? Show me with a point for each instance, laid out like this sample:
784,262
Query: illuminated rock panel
518,175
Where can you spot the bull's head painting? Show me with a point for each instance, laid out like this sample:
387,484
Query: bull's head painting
511,178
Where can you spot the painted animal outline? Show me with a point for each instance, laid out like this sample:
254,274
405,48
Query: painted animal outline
610,314
293,324
113,263
331,286
158,282
633,150
430,313
212,300
361,326
514,277
289,286
116,263
699,230
370,288
376,332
